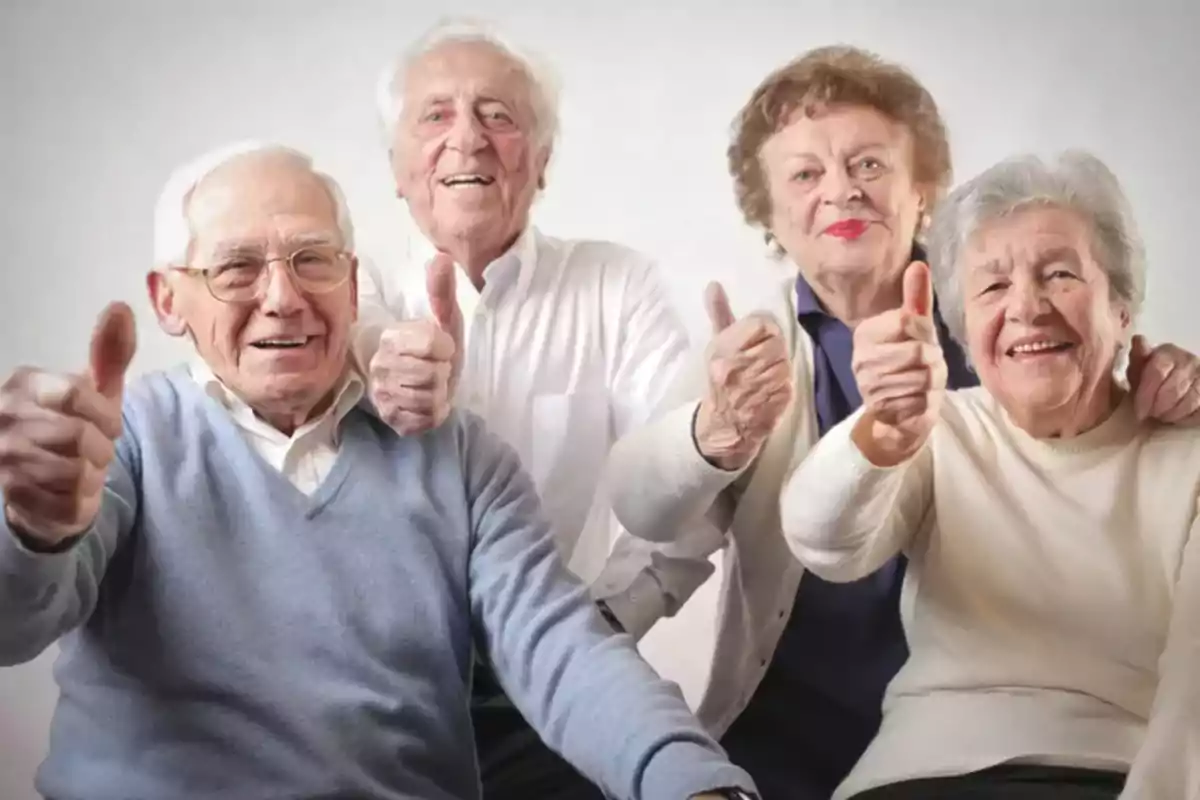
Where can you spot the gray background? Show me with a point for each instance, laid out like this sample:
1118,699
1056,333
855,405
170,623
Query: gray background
101,99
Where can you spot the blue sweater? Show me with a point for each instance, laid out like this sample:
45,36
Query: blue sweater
228,636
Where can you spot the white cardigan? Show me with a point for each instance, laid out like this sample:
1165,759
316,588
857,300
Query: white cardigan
1052,600
662,488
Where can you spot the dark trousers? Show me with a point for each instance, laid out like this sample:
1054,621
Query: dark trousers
514,763
1007,782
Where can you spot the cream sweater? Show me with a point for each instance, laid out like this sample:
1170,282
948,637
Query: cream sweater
1052,603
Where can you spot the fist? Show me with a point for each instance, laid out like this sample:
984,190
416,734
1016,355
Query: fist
58,434
901,373
413,374
749,384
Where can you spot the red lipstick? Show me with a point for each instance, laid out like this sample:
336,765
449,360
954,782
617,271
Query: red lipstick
847,229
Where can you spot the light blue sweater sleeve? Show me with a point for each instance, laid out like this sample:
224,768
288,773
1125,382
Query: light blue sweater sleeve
586,691
46,595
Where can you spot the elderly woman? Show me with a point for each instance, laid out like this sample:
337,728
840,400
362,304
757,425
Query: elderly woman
1052,603
838,157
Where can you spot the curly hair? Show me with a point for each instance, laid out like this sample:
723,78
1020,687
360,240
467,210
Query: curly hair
832,76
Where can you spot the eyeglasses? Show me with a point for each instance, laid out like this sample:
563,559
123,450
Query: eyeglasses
242,278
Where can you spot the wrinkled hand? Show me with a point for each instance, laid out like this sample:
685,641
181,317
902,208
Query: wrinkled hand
413,374
749,384
57,435
1165,382
901,374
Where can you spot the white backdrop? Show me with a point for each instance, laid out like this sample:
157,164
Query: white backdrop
99,99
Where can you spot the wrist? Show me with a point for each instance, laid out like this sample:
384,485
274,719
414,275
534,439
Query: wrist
884,445
716,444
25,534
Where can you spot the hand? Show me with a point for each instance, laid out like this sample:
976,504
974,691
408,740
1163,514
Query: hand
57,435
901,374
749,384
1165,382
413,374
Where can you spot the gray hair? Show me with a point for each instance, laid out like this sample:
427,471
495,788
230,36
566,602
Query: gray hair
1074,181
543,88
172,229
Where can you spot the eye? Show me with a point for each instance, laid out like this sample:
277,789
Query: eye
496,118
1062,273
806,174
434,115
995,286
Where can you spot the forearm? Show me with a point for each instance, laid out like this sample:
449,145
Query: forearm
841,516
643,582
658,480
43,595
587,692
1168,763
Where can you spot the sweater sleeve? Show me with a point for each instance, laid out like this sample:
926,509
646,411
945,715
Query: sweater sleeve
1168,764
843,517
46,595
586,691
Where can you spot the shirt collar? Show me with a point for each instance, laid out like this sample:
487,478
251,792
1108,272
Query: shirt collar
350,391
514,268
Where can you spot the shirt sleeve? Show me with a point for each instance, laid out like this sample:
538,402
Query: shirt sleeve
46,595
843,517
586,691
644,581
1168,764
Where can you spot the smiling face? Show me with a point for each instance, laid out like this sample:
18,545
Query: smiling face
284,352
1042,325
843,195
466,155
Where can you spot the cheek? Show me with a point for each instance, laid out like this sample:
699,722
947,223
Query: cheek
983,327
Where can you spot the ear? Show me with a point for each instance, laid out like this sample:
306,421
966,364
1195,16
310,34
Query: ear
543,161
163,298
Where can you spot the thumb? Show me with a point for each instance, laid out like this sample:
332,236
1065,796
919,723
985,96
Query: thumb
439,283
716,302
114,341
918,289
1139,354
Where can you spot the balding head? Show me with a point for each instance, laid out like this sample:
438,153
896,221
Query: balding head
266,290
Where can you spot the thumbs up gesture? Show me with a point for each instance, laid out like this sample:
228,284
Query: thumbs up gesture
413,374
57,435
749,384
901,374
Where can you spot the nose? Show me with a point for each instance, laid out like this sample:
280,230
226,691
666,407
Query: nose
466,135
279,294
1027,301
839,187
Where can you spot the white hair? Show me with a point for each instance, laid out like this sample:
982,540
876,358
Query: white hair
1074,181
172,229
543,87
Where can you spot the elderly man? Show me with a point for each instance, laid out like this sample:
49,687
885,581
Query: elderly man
563,346
264,591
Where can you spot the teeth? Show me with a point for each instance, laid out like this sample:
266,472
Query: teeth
467,179
1037,347
281,343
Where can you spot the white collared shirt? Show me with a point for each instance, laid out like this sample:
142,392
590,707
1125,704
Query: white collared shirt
304,458
569,345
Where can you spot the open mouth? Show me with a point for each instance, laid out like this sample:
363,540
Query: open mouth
283,343
1032,349
468,179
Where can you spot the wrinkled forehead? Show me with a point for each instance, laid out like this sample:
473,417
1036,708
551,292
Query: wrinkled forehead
261,202
1028,238
471,70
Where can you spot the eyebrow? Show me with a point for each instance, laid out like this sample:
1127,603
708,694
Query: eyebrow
1050,256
